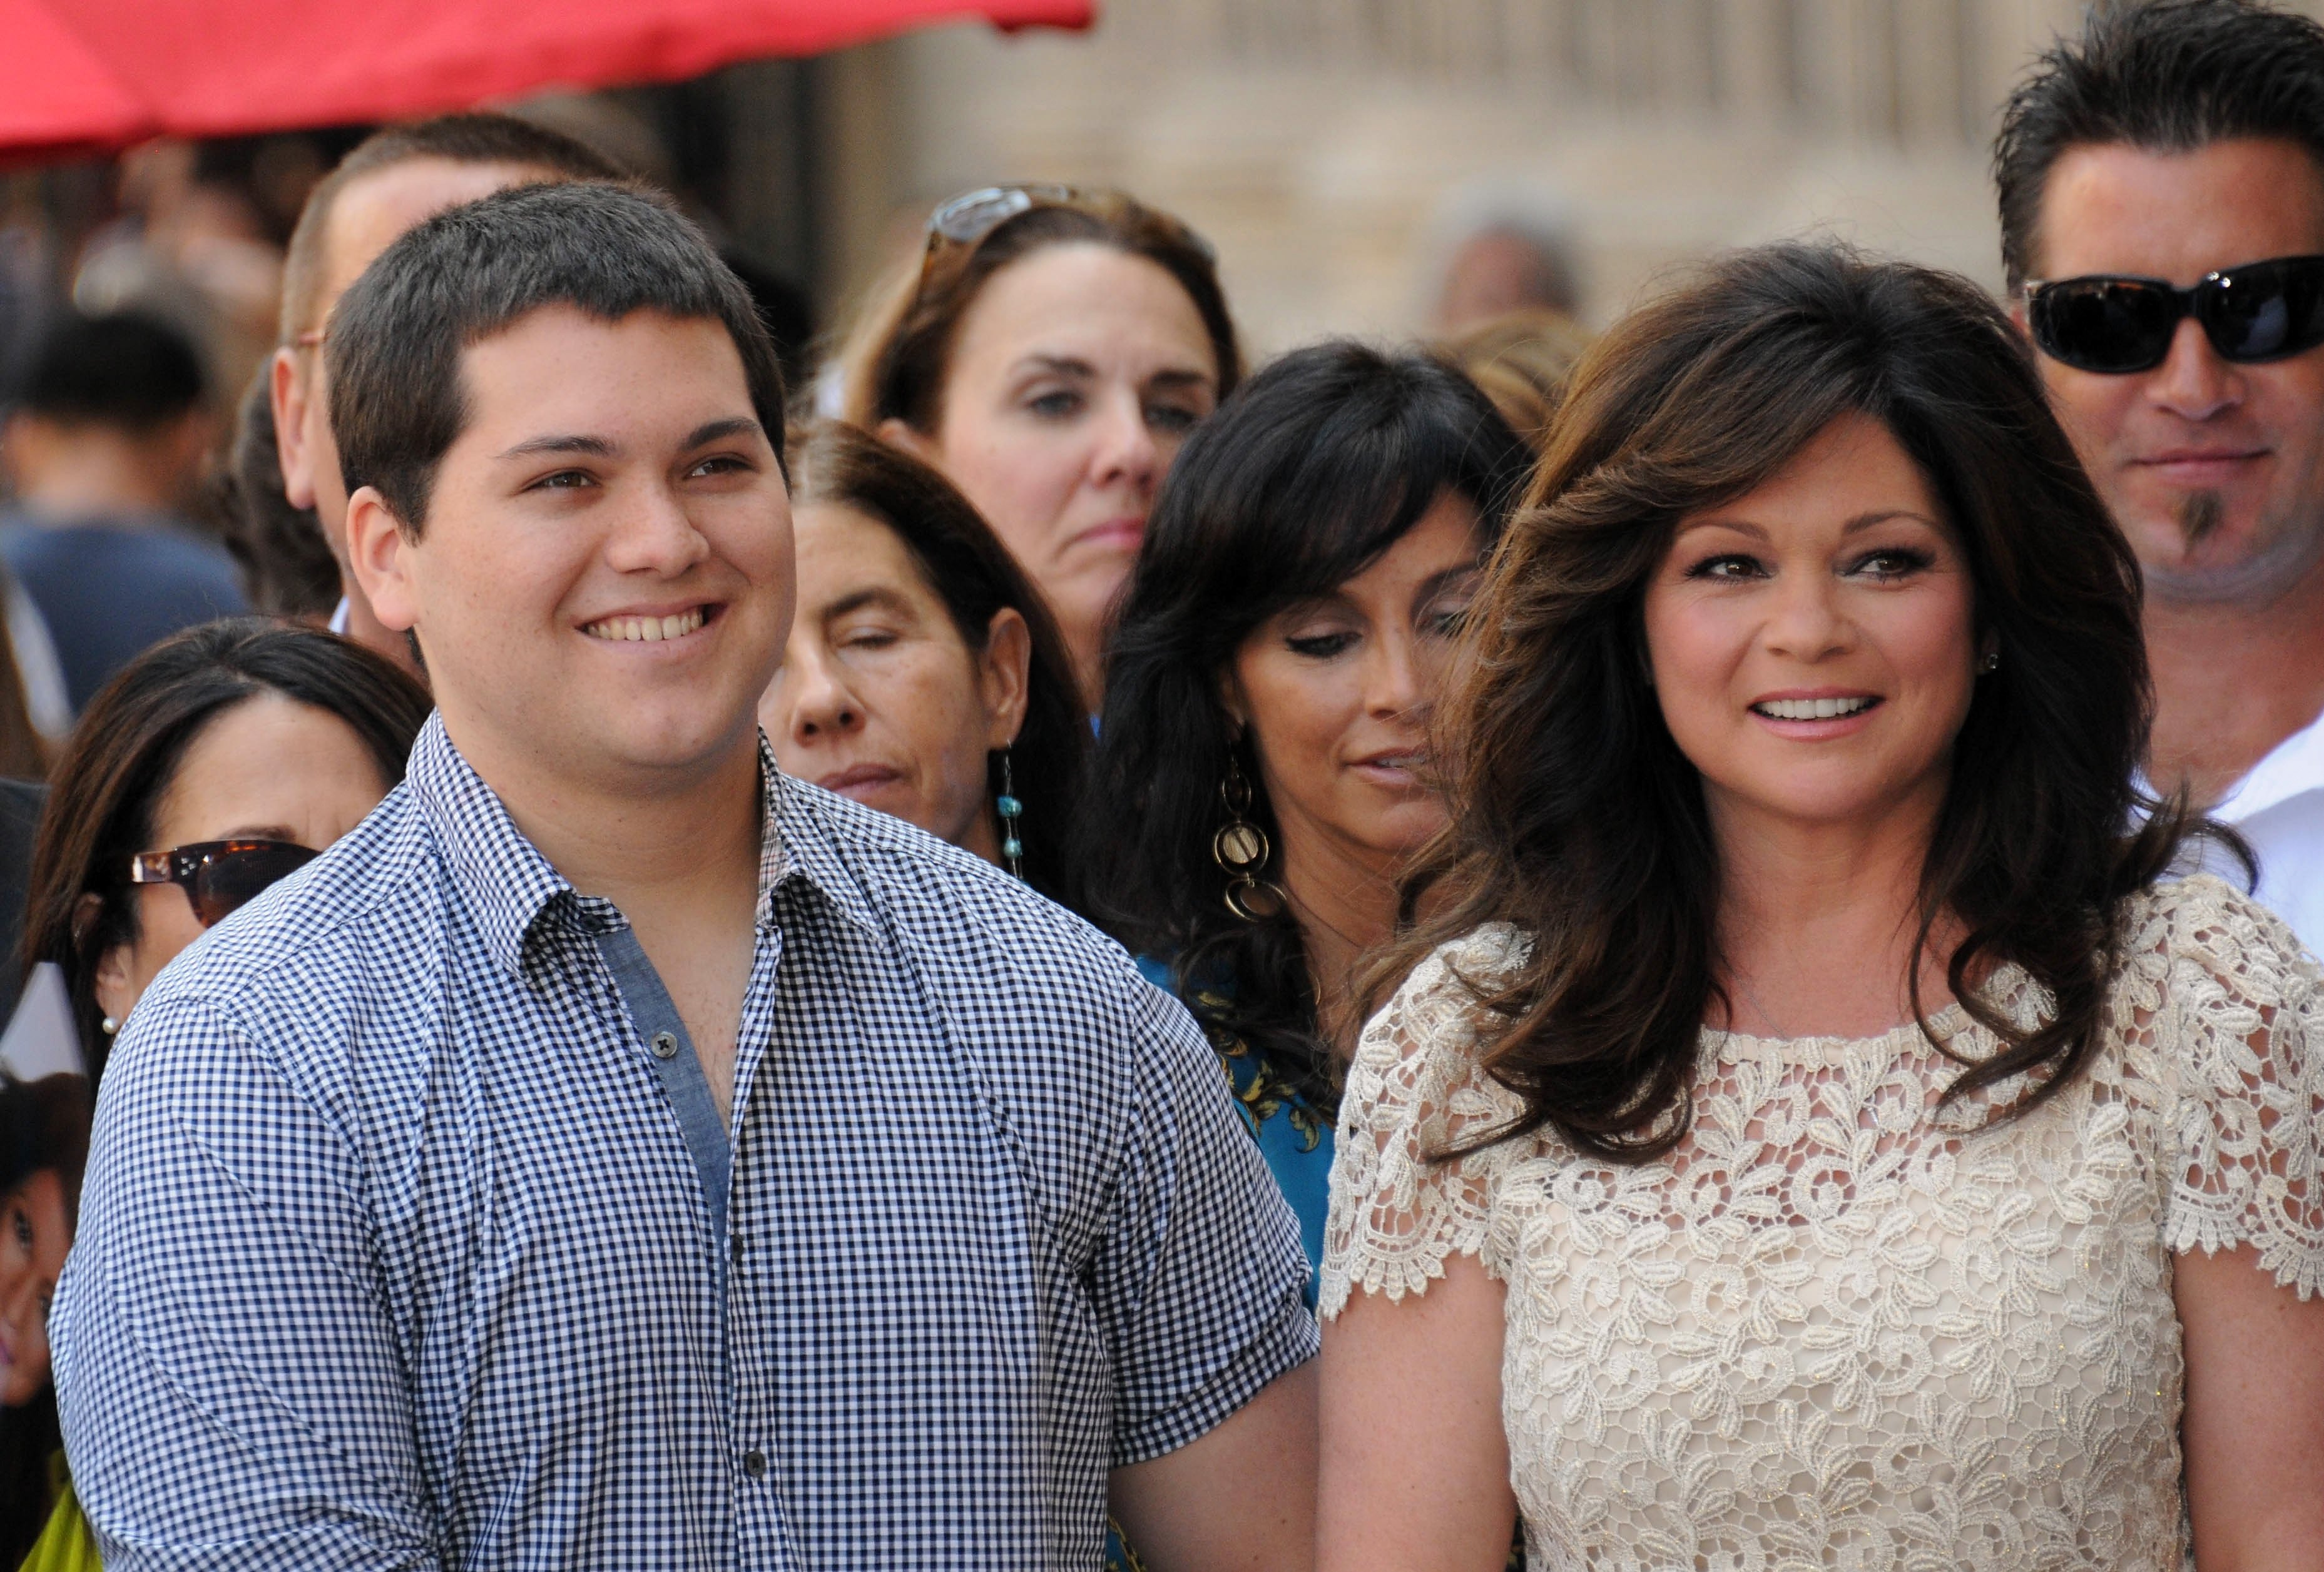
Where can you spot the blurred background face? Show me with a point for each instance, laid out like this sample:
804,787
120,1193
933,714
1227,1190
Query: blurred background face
32,1241
2214,470
1078,371
603,583
370,215
1336,696
879,698
269,768
1811,643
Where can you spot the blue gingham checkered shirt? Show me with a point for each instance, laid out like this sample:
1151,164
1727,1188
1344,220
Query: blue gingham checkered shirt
395,1250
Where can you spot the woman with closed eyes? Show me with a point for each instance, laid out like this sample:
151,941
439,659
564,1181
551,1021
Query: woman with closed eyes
1818,1120
1264,771
923,675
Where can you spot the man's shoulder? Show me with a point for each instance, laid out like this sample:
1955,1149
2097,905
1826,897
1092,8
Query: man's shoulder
304,952
966,924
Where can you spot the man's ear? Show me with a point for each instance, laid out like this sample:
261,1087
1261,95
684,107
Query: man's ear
1004,674
900,433
287,394
382,558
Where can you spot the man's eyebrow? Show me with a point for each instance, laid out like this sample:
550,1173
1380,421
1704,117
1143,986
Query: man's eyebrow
711,431
534,447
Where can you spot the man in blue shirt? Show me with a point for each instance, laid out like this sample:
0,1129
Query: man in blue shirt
613,1153
104,449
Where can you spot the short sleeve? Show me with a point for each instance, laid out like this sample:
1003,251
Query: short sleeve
2246,1130
1416,1089
1201,1281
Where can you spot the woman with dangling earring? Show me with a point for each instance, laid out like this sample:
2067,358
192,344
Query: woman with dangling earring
925,676
1263,773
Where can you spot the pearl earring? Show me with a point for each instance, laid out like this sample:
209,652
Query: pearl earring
110,1025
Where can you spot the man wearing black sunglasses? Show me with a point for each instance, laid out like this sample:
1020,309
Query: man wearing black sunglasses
2162,187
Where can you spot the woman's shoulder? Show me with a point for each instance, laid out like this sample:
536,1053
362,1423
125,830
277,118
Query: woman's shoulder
1457,968
1435,1013
2223,932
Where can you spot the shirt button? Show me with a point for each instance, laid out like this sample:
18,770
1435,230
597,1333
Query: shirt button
754,1464
734,1248
664,1046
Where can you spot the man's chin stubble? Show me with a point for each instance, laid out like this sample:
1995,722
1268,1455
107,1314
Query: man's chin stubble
2256,581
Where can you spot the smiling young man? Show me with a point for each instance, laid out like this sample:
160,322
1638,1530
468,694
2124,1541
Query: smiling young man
613,1153
2163,228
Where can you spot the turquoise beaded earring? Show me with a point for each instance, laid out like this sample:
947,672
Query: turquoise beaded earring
1013,843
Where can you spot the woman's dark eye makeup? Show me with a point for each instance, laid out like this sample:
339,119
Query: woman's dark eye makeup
1885,562
1321,646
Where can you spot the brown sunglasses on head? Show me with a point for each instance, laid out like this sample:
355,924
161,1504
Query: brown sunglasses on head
964,221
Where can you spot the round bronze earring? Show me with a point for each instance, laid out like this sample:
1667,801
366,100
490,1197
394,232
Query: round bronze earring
1241,851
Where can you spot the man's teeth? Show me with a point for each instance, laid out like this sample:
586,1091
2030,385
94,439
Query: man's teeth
648,630
1811,709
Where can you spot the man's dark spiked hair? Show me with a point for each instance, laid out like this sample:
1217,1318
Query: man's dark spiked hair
2171,76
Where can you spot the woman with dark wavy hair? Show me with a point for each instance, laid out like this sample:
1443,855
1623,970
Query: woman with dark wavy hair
1262,774
1819,1123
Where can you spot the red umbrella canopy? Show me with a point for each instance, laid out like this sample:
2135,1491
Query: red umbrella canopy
86,75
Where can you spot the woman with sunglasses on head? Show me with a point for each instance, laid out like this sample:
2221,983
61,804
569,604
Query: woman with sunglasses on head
1048,351
214,764
1815,1122
1264,772
924,676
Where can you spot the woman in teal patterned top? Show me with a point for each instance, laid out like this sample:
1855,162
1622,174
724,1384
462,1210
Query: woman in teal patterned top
1263,773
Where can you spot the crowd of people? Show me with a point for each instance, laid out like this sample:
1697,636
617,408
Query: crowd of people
1685,949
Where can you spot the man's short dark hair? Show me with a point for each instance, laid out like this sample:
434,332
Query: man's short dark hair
130,372
481,138
2169,76
396,336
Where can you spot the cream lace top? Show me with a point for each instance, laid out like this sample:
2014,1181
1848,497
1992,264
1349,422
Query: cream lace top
1836,1327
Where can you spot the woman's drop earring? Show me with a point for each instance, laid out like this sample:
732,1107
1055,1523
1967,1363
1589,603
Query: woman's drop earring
1241,848
1988,663
1012,811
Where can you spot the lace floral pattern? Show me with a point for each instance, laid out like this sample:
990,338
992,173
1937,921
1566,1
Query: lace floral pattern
1837,1326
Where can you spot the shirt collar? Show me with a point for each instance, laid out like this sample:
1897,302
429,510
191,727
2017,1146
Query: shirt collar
507,882
2291,767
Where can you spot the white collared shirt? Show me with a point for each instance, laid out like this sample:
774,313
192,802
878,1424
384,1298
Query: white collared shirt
2279,807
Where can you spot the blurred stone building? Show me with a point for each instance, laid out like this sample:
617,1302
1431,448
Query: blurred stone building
1332,148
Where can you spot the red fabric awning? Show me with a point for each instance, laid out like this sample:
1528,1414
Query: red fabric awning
89,74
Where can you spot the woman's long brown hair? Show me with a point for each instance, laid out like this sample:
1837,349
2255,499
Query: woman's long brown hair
1578,821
